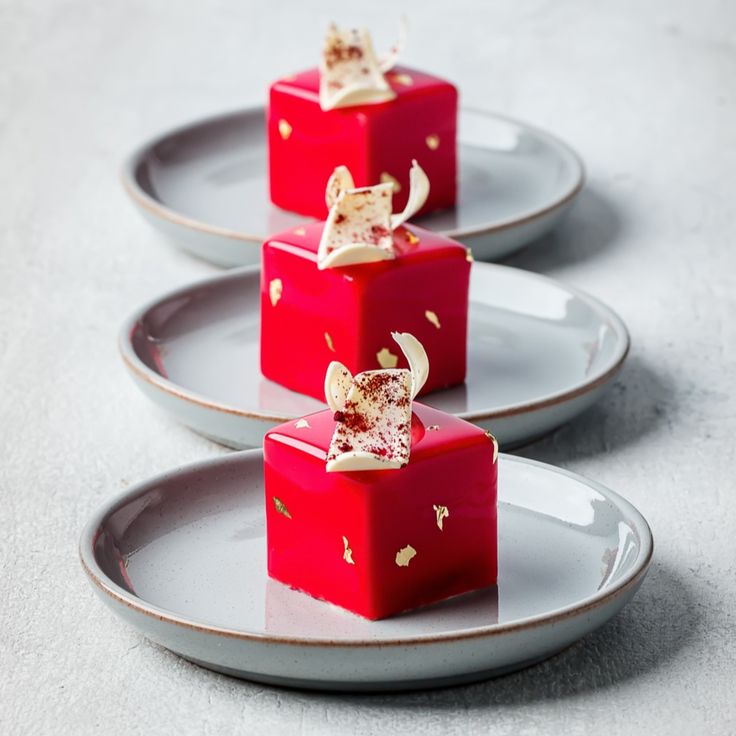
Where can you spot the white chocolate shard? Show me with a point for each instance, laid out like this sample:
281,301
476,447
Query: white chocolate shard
418,193
349,71
373,429
373,411
388,61
340,181
337,385
358,228
416,356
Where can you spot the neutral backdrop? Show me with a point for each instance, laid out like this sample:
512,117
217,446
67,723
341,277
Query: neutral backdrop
646,92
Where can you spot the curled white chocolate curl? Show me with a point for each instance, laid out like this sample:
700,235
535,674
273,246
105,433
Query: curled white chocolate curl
338,380
388,61
359,225
418,193
416,356
373,431
340,181
350,73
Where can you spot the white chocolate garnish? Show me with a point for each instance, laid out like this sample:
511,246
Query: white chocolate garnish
340,181
418,193
350,73
338,380
359,227
416,356
373,411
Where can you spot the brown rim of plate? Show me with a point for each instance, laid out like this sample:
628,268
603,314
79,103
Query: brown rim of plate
141,197
142,372
130,600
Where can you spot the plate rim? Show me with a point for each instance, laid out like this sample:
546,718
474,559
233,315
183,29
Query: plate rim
140,370
131,164
600,598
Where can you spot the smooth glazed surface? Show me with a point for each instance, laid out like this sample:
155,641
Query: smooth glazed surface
349,313
376,142
205,186
538,354
183,558
374,542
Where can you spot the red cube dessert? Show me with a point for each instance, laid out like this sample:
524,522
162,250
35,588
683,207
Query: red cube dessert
376,514
373,124
312,313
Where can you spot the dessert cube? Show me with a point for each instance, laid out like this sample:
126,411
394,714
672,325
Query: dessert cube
310,317
376,141
379,542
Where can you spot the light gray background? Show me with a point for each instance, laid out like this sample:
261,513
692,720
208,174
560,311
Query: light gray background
647,94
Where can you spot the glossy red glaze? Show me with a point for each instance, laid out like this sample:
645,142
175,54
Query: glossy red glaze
359,306
380,512
370,140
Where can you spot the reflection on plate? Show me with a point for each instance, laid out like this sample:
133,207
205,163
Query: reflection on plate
205,186
182,558
538,354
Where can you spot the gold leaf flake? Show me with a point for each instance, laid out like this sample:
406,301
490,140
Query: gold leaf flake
281,507
386,359
347,554
410,237
433,427
404,79
328,340
300,231
433,142
405,555
442,513
288,78
495,445
469,256
275,290
386,178
301,424
433,318
285,129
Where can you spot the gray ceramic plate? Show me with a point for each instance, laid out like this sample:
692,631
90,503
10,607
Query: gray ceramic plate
205,187
182,558
538,354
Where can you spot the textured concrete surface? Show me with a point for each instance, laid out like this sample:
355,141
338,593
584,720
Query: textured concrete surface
645,92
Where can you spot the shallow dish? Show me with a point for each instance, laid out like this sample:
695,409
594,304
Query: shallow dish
205,186
182,558
538,354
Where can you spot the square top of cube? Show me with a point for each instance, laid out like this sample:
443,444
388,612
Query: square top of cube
411,244
405,82
433,432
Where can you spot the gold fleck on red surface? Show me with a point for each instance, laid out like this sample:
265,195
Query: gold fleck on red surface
433,318
386,359
281,507
328,340
347,554
469,256
442,513
284,129
275,289
433,142
300,231
386,178
302,424
405,555
401,78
